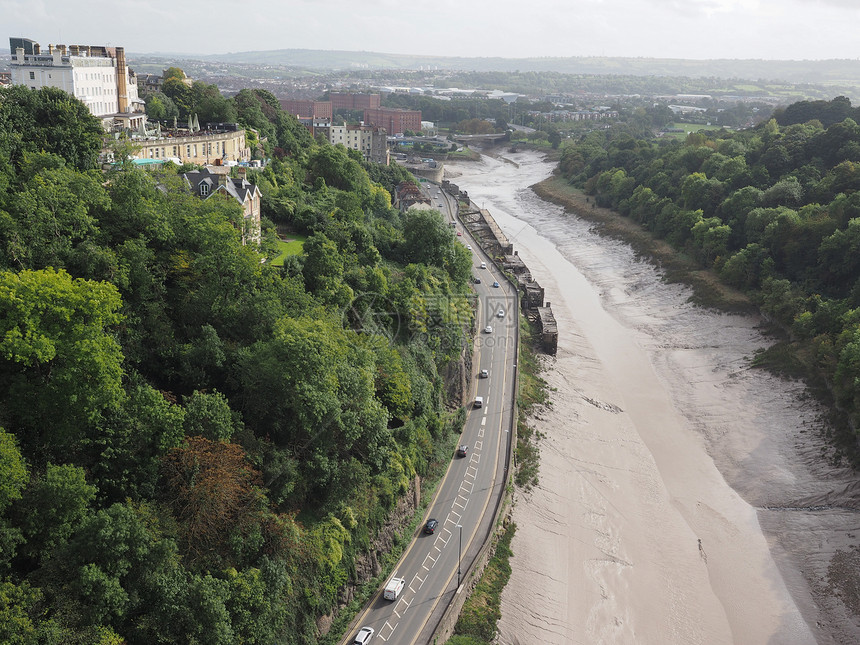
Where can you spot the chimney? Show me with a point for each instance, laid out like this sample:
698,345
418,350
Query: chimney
222,179
121,80
50,48
242,172
36,49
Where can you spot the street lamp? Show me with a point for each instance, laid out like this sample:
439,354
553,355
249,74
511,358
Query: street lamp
459,555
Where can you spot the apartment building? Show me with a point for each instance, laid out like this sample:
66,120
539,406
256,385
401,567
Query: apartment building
96,75
393,120
370,140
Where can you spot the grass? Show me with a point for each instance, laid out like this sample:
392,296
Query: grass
294,246
478,620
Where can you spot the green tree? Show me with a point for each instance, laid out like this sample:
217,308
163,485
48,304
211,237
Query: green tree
48,120
53,507
59,364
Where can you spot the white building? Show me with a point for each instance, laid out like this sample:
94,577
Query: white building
95,75
370,140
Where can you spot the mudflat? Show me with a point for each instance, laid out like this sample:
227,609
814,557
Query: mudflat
684,497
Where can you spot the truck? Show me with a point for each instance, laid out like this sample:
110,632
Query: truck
393,588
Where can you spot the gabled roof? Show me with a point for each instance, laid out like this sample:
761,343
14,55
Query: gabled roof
238,188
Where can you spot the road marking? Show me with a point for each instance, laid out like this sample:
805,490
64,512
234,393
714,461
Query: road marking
478,445
481,433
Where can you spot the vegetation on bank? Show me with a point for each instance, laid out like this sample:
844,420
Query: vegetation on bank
197,446
477,624
773,211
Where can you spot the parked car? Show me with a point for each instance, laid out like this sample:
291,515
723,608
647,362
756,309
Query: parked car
363,636
477,280
462,450
431,525
483,374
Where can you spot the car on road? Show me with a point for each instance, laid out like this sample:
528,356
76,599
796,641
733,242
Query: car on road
483,265
363,636
439,204
430,527
483,374
488,329
459,233
495,284
462,450
501,313
469,246
477,280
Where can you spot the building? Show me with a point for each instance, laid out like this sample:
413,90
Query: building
393,120
95,75
216,182
354,101
370,140
307,109
201,147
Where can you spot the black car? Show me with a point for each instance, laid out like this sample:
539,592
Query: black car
462,450
430,527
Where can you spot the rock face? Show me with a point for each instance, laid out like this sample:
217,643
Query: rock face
367,564
457,379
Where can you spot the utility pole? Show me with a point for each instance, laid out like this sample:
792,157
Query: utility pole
459,555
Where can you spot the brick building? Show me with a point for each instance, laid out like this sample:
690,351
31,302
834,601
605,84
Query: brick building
394,121
307,109
354,101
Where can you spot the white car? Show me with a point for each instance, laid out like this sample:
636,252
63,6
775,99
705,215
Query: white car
488,329
469,246
501,313
484,374
483,265
363,636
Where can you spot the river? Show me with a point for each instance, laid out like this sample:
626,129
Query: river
684,497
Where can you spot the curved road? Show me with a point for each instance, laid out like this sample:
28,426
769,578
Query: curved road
465,499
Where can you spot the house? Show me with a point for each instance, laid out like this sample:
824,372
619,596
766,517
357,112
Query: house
216,181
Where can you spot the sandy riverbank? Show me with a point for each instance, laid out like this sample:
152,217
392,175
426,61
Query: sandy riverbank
677,485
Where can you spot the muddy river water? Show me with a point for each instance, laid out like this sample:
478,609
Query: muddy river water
684,497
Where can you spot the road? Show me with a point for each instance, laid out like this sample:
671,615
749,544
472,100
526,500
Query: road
466,498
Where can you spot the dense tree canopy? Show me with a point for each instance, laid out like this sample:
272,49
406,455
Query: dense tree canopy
773,209
172,403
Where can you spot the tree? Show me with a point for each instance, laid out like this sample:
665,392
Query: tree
60,366
53,507
48,120
213,492
160,107
209,415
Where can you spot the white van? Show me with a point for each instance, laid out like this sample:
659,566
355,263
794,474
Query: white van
479,402
393,588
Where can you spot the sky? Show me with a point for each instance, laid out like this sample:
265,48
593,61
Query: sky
698,29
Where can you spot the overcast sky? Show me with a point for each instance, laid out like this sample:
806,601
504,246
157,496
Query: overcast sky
769,29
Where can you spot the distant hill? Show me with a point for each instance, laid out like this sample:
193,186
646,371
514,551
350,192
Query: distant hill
802,71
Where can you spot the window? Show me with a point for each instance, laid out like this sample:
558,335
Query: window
32,76
204,189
